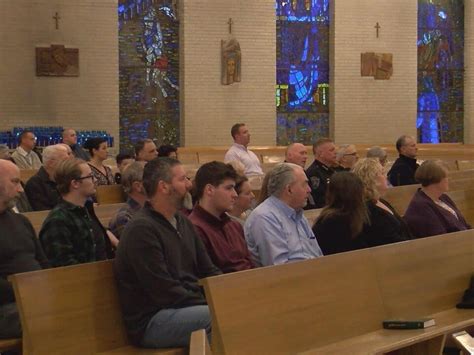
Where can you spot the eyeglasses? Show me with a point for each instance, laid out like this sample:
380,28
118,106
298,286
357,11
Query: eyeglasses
91,176
349,154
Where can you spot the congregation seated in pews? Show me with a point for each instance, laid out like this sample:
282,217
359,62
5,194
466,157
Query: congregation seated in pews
276,232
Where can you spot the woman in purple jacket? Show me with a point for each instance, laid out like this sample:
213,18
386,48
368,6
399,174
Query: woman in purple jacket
431,211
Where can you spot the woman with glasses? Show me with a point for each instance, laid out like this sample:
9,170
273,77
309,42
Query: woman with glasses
97,148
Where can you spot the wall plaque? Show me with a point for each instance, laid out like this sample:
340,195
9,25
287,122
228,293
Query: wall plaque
57,61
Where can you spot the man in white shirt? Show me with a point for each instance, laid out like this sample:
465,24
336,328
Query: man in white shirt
24,156
239,151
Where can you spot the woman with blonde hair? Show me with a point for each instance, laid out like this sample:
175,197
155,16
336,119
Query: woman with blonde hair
431,211
385,224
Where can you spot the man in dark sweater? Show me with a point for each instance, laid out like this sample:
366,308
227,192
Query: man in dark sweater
159,262
41,187
20,250
404,168
223,237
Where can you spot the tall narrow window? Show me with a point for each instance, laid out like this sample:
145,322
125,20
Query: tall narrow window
440,71
148,71
302,88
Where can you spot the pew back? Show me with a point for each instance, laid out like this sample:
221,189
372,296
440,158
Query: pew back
110,194
72,310
339,301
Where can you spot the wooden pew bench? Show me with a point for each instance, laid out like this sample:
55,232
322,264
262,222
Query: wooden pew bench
74,310
110,194
336,304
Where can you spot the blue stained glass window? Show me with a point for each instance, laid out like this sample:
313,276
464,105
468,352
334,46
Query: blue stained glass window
148,71
302,88
440,71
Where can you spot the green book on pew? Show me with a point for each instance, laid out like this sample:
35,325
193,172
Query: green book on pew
408,323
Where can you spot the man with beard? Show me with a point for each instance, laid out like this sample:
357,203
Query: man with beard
159,262
20,250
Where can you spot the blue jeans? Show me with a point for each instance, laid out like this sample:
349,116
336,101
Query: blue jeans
173,327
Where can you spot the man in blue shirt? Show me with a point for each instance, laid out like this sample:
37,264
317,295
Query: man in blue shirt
277,232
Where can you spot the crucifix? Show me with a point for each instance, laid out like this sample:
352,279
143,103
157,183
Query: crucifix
57,18
377,27
230,22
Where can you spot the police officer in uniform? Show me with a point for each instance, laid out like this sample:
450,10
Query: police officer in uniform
320,171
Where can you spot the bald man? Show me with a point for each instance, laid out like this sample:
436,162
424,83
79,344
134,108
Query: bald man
296,153
70,138
20,250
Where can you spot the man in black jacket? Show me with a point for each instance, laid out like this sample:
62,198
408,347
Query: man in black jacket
159,262
20,250
404,168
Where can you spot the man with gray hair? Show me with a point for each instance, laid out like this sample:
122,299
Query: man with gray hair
277,232
41,187
378,153
346,157
132,182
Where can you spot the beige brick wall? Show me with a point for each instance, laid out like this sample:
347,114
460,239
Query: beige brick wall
87,102
363,109
209,109
469,72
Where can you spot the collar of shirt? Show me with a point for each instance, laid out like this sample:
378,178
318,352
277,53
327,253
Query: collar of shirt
240,146
287,210
134,205
70,206
323,166
23,152
209,218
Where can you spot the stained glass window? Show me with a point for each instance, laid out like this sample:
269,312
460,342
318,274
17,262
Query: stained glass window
302,88
440,71
148,71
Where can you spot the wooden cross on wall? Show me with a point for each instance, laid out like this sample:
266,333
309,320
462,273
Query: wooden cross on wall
230,23
56,18
377,28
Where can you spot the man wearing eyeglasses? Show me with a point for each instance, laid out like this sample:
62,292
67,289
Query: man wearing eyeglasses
346,157
72,234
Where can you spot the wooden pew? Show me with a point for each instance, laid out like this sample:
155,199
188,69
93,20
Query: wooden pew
110,194
74,310
312,215
400,196
336,304
199,344
25,174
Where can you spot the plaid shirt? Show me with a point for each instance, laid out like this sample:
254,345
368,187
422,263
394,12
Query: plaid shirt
68,236
123,216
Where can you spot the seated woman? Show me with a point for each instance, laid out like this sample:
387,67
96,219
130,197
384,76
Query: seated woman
385,225
244,201
340,224
97,148
431,211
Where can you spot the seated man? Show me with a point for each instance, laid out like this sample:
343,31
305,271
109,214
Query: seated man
321,170
277,231
159,262
70,138
239,151
223,237
378,153
41,187
296,153
72,233
20,250
24,156
123,160
145,150
132,183
404,169
346,157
